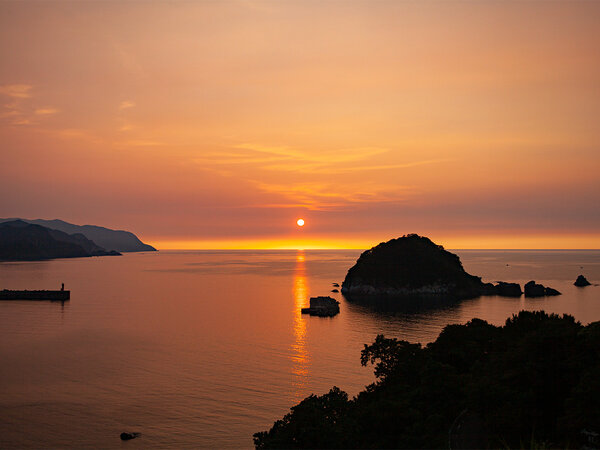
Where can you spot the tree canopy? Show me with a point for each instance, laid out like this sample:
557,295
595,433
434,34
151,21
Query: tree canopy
533,381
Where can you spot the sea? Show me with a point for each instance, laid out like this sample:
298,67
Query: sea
201,349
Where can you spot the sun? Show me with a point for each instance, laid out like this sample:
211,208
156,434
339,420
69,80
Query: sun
300,222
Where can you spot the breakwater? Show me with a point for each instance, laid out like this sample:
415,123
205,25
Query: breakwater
61,295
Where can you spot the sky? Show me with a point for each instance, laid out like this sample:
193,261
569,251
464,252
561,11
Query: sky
218,124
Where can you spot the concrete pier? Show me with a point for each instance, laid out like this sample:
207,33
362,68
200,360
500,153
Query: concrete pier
61,295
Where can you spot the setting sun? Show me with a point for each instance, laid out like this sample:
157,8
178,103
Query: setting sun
156,153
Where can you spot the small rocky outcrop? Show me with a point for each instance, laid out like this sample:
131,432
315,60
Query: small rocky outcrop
322,307
126,436
508,289
503,289
581,281
532,289
335,290
551,292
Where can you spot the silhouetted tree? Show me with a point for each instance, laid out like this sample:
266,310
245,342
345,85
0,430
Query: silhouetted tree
535,381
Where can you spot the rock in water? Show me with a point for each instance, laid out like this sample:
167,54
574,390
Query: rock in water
322,307
581,281
410,266
508,289
532,289
126,436
550,291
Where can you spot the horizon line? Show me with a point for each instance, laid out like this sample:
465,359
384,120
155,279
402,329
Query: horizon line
363,248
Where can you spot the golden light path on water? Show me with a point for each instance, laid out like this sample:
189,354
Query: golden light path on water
299,356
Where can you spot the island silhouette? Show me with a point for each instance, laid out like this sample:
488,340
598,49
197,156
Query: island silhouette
24,241
117,240
412,267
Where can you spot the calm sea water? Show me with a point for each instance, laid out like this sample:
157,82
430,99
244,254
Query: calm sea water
203,348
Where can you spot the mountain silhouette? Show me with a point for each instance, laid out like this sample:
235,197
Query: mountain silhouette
22,241
117,240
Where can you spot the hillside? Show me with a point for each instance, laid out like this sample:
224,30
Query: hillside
532,383
22,241
117,240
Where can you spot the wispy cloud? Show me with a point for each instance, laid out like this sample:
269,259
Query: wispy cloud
21,121
74,134
126,104
325,156
340,170
331,196
286,159
10,113
140,143
19,110
46,111
16,90
14,112
328,179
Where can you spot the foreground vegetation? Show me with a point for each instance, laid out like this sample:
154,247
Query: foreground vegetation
533,382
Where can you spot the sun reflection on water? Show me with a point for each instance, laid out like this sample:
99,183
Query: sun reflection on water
299,356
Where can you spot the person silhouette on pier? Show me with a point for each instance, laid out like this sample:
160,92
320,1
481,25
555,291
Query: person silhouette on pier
62,288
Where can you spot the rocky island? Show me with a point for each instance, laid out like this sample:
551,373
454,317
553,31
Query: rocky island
412,266
581,281
533,289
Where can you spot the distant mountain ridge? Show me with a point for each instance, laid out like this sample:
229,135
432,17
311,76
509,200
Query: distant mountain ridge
23,241
117,240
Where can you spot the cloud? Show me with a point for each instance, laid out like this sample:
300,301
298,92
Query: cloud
16,90
325,162
10,113
317,179
331,196
287,159
340,170
140,143
329,157
126,104
75,134
19,109
46,111
21,122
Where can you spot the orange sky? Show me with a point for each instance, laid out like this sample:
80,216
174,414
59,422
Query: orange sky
218,124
